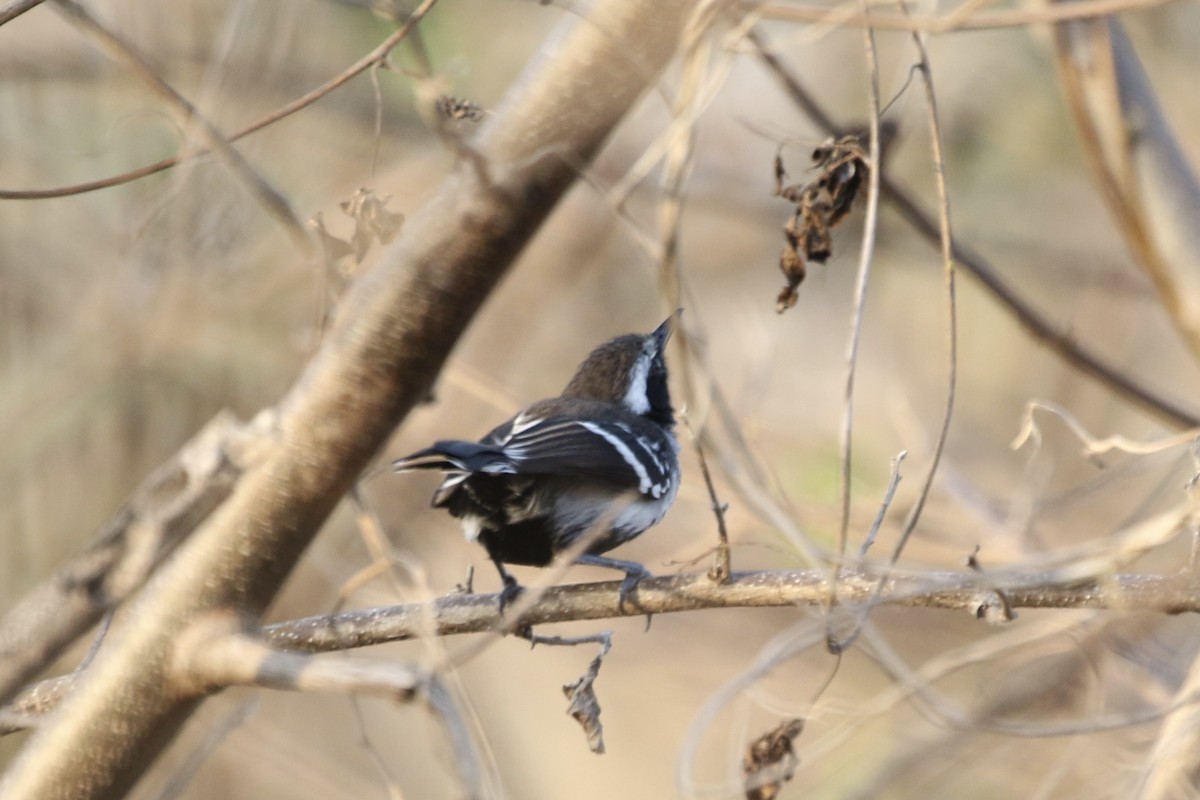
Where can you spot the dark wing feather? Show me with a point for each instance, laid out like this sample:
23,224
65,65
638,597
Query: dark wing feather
621,454
450,455
624,453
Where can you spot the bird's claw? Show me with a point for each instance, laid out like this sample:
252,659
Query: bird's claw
632,579
509,594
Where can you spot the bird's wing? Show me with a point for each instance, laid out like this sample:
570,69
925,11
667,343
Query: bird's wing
612,452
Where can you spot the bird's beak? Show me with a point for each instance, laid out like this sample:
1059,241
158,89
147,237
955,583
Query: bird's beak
663,332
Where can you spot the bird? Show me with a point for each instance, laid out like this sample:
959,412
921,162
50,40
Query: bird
601,461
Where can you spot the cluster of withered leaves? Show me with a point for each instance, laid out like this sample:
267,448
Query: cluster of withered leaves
771,761
372,221
820,204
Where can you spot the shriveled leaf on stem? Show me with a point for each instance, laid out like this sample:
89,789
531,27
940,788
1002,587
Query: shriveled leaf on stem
585,708
771,761
820,204
372,220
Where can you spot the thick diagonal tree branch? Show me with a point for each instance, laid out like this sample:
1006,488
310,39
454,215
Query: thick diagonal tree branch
388,340
1141,169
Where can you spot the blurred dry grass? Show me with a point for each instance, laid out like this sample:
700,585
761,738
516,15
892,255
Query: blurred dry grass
129,316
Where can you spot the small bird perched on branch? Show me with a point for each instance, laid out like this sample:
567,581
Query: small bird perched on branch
600,460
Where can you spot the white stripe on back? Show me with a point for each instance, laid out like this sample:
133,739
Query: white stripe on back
644,483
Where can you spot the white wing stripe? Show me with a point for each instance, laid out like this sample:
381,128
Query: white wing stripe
520,424
645,447
644,482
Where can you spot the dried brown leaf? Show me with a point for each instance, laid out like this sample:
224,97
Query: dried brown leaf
585,708
372,221
820,204
770,761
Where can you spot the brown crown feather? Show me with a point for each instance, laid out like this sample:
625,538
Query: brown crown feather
604,374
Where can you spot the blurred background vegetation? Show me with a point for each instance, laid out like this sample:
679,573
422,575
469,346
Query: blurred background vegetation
129,316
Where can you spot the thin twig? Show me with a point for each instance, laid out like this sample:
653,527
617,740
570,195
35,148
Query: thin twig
1094,445
722,567
888,496
455,614
678,143
376,56
15,8
945,238
125,54
215,734
861,284
954,20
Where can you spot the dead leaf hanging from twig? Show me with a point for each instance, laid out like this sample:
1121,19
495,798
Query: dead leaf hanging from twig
584,706
372,220
770,761
820,204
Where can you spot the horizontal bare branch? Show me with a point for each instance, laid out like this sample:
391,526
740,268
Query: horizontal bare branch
215,653
476,613
452,614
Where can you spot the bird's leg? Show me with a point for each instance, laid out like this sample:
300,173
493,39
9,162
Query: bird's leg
634,573
511,589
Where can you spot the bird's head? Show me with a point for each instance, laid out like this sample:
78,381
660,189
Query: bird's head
631,370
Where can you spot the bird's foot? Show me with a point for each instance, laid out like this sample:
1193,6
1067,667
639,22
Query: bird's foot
635,573
632,579
509,594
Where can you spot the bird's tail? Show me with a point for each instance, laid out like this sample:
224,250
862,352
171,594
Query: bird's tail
455,456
